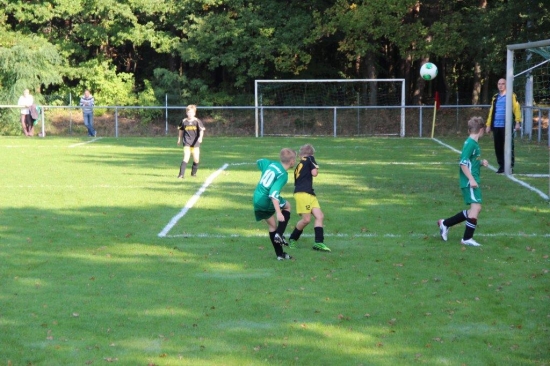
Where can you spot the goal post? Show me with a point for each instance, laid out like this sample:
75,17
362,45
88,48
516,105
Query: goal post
511,74
331,97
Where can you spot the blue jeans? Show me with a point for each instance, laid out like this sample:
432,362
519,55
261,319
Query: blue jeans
89,123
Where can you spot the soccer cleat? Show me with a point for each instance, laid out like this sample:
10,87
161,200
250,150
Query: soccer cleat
443,230
500,170
180,176
283,256
284,241
278,239
322,247
292,244
470,242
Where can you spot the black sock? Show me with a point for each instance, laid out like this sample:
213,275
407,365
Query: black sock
278,248
282,224
470,228
319,234
194,168
182,168
296,234
456,219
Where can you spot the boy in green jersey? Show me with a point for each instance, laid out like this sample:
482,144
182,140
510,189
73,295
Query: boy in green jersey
267,200
469,179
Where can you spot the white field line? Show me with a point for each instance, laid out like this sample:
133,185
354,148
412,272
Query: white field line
35,147
511,177
389,163
86,142
370,235
533,175
191,201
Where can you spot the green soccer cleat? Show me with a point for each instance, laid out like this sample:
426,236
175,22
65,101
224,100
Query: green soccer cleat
292,244
321,247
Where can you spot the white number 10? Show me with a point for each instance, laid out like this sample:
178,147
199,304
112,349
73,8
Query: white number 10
267,179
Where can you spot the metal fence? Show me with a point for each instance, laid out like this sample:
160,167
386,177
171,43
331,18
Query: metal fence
120,121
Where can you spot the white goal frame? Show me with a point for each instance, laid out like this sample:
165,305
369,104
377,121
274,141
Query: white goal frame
509,92
258,107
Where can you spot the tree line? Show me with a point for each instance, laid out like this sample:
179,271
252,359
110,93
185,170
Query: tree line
210,52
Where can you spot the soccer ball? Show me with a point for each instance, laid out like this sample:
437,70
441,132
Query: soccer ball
428,71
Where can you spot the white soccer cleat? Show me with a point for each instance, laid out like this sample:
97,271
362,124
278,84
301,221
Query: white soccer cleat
443,230
470,242
283,256
278,239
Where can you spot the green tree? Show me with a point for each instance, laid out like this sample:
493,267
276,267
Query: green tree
26,62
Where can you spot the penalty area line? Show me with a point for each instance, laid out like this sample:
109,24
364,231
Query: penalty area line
84,143
191,202
361,235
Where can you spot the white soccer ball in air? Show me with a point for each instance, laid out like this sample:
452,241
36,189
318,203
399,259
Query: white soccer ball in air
428,71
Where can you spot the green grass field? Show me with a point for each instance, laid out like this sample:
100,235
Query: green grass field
85,278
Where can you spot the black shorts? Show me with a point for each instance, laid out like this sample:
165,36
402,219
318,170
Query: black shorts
28,120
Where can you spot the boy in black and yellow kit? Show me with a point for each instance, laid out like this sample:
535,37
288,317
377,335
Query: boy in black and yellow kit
191,130
306,200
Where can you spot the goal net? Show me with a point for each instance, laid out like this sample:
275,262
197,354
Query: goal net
528,76
532,86
347,107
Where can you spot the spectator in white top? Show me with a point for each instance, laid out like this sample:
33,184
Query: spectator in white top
26,100
87,102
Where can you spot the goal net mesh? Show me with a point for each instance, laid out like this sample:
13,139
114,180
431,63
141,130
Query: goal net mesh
325,107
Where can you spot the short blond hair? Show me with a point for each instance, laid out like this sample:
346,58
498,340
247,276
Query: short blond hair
287,155
475,124
191,107
307,150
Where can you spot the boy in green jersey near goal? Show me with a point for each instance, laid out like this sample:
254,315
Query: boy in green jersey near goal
267,200
306,200
469,178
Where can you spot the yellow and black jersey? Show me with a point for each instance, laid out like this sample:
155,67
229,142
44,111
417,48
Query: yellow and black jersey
191,131
303,179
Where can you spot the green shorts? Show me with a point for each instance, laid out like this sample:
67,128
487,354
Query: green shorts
264,210
471,195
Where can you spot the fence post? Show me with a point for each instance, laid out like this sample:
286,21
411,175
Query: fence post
261,123
166,113
334,121
116,121
420,122
70,114
42,118
539,128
